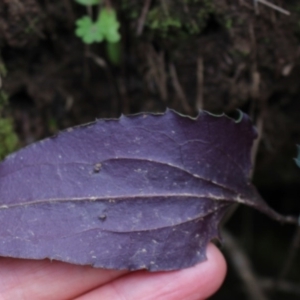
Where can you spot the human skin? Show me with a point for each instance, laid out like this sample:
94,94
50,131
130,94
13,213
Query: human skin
45,280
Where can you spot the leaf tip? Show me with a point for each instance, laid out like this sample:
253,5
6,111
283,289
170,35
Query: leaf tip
237,115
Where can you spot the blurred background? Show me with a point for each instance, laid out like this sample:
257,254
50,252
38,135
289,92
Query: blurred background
64,63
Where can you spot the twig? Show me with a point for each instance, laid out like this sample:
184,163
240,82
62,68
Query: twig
255,83
165,4
114,88
243,267
276,7
124,96
142,18
294,247
240,68
200,79
255,4
89,11
187,11
259,126
156,63
243,3
282,285
179,91
97,60
86,67
230,212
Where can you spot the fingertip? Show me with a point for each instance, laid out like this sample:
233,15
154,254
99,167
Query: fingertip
197,282
215,271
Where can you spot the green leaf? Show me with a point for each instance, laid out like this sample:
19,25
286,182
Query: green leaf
106,27
8,138
297,159
88,2
88,31
113,51
109,25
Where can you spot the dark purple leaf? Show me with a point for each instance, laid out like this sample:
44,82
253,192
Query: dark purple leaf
146,191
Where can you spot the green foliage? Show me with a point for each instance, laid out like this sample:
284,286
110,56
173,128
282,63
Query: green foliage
228,23
8,138
104,28
3,100
52,125
109,25
297,159
169,21
132,10
88,30
88,2
113,51
159,20
3,71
